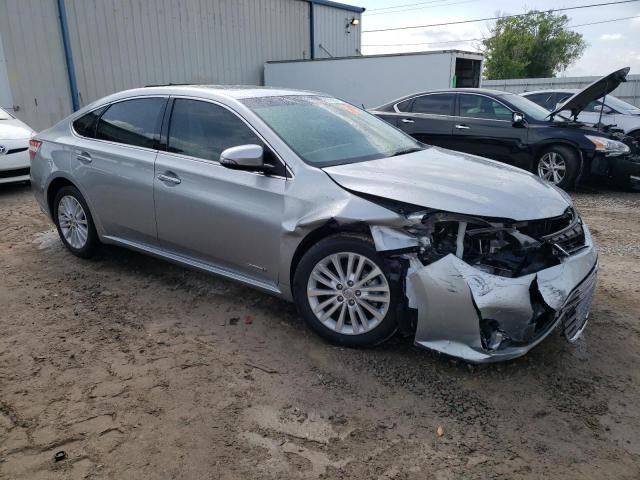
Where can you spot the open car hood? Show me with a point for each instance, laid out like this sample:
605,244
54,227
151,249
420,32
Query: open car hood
454,182
597,89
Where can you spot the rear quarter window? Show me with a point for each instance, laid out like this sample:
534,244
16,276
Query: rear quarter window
85,126
404,106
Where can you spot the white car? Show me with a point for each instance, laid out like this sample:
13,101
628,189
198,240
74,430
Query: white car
590,106
14,149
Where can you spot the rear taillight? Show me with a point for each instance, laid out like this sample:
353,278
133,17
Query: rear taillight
34,146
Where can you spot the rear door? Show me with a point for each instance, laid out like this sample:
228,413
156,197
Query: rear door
114,163
230,220
484,127
429,118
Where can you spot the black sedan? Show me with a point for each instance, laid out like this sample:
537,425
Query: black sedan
511,129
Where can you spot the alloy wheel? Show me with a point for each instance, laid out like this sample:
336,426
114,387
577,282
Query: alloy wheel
348,293
73,221
552,167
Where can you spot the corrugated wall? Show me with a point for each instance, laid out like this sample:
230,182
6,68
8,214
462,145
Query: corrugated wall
120,44
333,38
629,91
123,44
34,56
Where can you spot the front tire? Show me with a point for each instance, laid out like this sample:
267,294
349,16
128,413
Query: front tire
343,292
559,165
74,222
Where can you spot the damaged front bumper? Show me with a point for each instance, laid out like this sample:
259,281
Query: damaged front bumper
467,313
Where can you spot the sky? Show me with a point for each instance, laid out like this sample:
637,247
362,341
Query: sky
610,45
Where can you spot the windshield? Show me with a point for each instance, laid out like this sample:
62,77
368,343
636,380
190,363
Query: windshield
326,131
618,104
526,106
4,115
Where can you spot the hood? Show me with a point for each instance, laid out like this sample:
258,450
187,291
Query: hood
454,182
607,84
14,129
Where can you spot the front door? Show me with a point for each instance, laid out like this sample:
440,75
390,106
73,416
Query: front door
228,219
483,126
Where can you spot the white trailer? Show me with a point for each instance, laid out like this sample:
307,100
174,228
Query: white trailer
372,80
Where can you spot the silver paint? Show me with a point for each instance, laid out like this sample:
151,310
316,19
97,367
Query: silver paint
455,182
248,226
450,293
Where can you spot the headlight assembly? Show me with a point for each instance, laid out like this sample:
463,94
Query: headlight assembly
611,148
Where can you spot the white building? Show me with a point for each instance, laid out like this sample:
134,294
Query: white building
58,55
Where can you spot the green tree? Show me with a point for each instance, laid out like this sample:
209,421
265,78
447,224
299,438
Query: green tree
535,45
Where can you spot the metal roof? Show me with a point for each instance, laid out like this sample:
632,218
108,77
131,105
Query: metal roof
343,6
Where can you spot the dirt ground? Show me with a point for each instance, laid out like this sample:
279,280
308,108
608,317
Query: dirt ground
140,369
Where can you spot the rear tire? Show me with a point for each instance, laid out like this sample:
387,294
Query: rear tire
343,292
74,222
559,165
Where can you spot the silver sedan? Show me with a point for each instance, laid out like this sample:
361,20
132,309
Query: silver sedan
317,201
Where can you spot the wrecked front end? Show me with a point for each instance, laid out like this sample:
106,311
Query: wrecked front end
486,289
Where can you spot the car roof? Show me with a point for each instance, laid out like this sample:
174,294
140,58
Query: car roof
213,92
461,90
552,90
486,91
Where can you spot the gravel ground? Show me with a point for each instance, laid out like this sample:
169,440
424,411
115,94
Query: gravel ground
140,369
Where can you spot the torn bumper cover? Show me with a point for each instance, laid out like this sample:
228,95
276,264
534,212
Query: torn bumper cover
481,317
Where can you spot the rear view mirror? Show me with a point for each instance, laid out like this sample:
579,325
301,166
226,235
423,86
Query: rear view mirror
517,118
602,108
244,157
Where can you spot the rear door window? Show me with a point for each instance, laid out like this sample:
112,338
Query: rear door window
436,104
132,122
479,106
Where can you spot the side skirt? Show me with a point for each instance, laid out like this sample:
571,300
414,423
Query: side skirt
193,263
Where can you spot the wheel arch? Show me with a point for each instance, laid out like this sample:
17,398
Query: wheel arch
327,230
543,146
55,184
634,133
52,189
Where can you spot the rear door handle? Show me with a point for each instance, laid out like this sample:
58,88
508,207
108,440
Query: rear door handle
84,157
169,178
407,120
463,127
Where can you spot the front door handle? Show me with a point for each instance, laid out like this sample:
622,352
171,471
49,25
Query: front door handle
84,157
407,120
169,178
463,127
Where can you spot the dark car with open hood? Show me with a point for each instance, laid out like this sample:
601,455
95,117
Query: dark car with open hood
512,129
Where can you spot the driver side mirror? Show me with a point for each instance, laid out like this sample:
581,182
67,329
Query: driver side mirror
245,157
517,119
